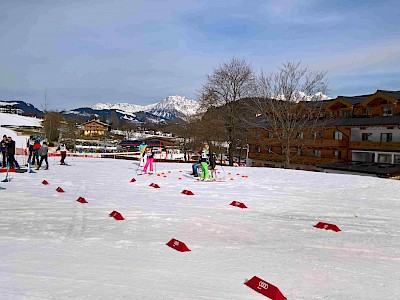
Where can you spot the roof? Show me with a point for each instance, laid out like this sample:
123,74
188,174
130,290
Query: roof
393,94
96,121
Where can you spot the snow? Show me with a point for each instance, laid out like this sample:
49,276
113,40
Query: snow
124,107
53,247
18,120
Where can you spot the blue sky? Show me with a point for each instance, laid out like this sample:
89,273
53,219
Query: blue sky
85,52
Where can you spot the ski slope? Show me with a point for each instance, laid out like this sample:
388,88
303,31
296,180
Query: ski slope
52,247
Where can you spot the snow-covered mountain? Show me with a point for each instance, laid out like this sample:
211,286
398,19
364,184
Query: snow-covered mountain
175,106
125,107
170,109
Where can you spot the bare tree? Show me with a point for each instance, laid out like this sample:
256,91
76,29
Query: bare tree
52,124
290,102
228,84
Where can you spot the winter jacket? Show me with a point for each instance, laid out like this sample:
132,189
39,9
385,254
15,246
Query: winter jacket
30,144
43,151
213,161
204,156
11,147
149,154
62,148
3,146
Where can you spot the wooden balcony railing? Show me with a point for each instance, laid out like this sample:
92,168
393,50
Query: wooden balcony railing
368,145
307,160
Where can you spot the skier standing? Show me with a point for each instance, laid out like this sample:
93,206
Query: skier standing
205,176
36,148
30,144
63,151
143,157
43,151
3,147
149,161
11,152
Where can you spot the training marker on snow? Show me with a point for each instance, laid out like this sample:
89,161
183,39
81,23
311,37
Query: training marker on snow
2,188
187,192
238,204
154,185
60,190
81,200
178,245
133,180
116,215
327,226
265,288
45,182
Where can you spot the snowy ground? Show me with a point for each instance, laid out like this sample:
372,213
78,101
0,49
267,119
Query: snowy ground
17,120
52,247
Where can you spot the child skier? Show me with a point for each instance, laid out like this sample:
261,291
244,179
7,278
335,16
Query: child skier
205,176
149,161
43,151
143,157
63,151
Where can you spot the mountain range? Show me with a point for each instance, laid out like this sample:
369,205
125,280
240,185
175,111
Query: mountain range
170,109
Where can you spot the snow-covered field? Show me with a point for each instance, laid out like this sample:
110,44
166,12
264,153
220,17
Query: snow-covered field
52,247
17,120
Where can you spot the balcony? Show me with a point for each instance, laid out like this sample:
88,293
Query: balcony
320,143
306,160
369,145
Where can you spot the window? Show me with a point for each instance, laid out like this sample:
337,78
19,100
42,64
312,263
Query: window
258,148
338,135
299,152
386,137
365,136
270,135
385,158
269,150
387,111
300,135
397,159
318,135
344,113
367,111
338,153
317,153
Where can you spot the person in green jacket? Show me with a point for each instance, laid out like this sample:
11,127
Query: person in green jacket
204,161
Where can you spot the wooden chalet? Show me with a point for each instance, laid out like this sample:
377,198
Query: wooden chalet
363,129
95,128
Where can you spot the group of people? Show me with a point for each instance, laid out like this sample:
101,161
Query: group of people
7,147
207,161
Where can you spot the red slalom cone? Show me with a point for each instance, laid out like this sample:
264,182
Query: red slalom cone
265,288
179,178
154,185
116,215
238,204
186,192
133,180
45,182
178,245
81,200
327,226
169,171
60,190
